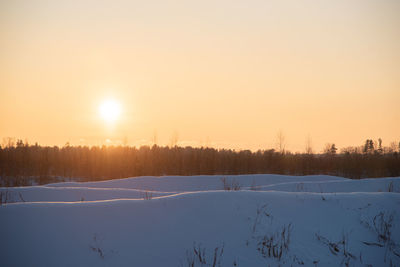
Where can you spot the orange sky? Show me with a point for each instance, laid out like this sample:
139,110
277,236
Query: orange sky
219,73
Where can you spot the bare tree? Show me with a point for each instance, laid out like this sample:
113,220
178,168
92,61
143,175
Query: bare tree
309,149
174,139
280,142
208,142
392,147
8,142
155,138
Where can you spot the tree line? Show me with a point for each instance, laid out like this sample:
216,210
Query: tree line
22,163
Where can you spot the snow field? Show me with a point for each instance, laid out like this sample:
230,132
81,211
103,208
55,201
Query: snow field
192,221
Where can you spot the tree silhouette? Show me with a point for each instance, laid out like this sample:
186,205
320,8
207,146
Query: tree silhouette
21,162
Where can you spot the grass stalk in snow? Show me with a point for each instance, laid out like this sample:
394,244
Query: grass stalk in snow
198,257
231,185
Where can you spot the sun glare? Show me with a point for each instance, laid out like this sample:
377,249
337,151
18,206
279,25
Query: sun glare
110,110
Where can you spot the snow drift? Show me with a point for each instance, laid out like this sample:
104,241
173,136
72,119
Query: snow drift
270,220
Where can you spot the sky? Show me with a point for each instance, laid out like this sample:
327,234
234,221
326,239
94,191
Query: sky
227,74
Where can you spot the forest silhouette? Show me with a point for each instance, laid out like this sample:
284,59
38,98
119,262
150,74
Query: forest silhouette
22,163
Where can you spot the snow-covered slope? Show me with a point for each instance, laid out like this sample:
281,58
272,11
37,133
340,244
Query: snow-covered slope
198,182
146,187
332,186
71,194
198,222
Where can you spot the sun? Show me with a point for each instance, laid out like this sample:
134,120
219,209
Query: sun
110,110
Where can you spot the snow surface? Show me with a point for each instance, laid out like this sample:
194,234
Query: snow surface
165,221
